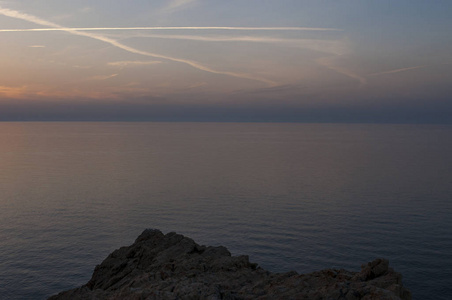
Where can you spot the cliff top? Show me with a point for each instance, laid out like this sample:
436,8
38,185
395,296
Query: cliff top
172,266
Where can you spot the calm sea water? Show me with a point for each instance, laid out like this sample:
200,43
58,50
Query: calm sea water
293,196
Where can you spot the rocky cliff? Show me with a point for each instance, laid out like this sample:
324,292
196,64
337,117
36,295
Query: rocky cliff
172,266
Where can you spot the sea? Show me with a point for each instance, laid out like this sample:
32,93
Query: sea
300,197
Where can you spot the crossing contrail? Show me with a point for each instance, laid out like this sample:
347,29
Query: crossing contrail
59,28
396,71
33,19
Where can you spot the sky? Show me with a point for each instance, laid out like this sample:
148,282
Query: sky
212,60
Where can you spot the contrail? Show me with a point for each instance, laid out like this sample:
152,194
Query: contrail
60,28
395,71
125,63
326,62
327,46
33,19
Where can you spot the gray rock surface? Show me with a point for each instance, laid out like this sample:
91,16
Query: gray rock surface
172,266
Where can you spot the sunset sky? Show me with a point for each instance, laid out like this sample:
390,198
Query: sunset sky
212,60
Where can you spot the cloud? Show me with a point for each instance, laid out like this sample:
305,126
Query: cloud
72,15
18,15
86,9
102,77
37,46
81,67
34,91
68,65
123,64
328,62
197,85
396,71
175,5
204,28
49,92
271,91
115,43
12,92
337,47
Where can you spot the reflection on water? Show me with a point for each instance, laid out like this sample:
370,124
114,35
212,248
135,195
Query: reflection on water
292,196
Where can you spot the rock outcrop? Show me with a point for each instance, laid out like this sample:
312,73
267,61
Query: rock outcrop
172,266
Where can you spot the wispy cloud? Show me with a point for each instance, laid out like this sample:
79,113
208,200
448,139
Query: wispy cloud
197,85
102,77
45,92
328,62
18,15
228,28
175,5
396,71
12,92
29,92
337,47
86,9
37,46
72,15
122,64
115,43
66,64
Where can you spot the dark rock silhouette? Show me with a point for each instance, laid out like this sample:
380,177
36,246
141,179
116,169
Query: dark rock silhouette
172,266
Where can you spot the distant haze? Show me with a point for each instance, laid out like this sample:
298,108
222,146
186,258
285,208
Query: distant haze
251,61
